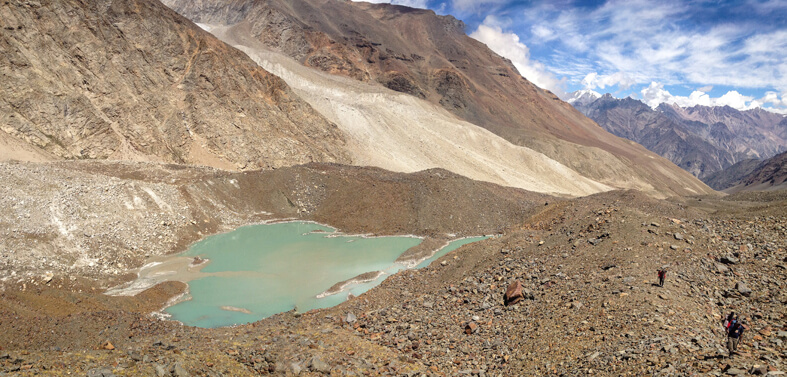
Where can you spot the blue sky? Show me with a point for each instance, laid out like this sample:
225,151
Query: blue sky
688,52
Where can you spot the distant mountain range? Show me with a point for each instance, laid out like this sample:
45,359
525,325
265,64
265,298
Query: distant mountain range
700,139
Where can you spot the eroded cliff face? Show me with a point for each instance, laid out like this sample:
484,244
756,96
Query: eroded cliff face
134,80
430,57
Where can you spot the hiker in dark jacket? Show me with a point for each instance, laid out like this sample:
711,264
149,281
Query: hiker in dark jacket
734,336
662,276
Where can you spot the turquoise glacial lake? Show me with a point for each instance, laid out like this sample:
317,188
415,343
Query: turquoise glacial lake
261,270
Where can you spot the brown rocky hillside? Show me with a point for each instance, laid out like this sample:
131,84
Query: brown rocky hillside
431,57
769,175
587,266
134,80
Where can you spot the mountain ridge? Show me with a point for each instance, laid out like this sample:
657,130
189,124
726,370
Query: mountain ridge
701,139
452,70
769,175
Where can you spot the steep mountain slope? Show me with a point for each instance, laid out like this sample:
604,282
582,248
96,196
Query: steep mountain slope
430,57
700,139
770,175
732,175
134,80
397,132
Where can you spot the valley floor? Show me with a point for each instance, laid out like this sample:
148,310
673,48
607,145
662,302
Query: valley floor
588,268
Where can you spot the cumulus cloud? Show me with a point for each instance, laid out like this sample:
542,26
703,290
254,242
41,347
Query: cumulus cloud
776,102
507,44
655,94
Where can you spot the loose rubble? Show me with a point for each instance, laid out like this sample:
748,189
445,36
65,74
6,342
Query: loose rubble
574,307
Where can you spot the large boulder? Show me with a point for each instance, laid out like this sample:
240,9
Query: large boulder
513,293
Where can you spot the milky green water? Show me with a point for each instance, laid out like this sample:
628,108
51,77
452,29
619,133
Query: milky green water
449,248
275,268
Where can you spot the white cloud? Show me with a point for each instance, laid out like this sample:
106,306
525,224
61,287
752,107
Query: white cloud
736,100
593,80
543,32
507,44
408,3
655,94
662,41
777,104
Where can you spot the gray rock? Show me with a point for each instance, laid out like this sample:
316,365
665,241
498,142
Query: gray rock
295,368
180,371
100,372
735,372
350,318
742,288
729,259
317,365
161,371
678,236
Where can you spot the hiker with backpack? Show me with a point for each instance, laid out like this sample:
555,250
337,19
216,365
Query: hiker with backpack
728,321
662,276
734,336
